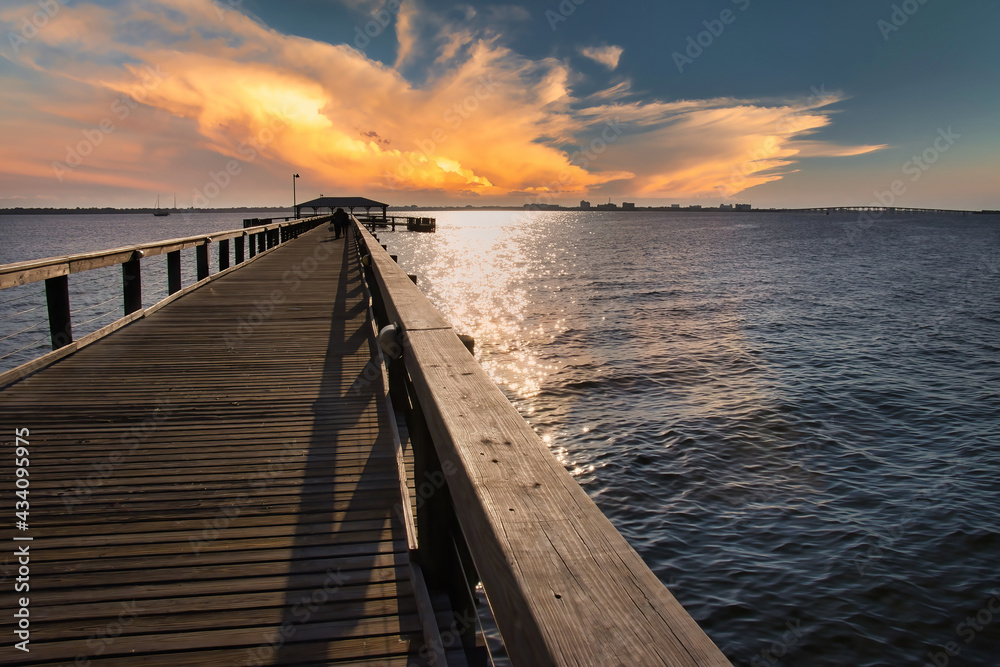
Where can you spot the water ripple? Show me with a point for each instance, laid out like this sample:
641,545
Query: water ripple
799,433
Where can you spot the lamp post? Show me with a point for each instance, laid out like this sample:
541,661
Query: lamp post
294,211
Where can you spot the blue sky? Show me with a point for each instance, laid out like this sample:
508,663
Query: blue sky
778,103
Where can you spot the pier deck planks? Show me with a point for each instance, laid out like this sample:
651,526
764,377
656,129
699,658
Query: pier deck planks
215,484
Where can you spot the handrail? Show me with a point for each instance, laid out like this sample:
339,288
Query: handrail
55,272
22,273
563,584
411,222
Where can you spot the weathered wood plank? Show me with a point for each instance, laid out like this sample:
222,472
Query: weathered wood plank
238,615
371,637
392,590
218,488
384,651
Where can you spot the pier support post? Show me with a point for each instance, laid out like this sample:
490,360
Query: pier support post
223,254
57,299
240,252
201,252
174,272
132,283
445,562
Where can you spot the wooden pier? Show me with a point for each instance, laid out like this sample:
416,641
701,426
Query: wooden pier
230,477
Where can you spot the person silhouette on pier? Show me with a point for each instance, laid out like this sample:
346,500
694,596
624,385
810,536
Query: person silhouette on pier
340,221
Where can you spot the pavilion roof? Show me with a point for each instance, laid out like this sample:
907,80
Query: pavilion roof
342,202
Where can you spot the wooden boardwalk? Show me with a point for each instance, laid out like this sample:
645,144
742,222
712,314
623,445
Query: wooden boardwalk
216,484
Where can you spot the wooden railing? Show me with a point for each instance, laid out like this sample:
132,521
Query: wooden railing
410,222
55,272
257,222
494,506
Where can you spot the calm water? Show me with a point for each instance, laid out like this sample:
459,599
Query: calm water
794,420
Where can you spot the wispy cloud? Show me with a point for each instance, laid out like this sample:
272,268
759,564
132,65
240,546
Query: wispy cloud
605,55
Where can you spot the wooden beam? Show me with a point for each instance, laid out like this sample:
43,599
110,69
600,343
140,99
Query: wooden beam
60,320
201,255
12,275
132,284
223,254
173,272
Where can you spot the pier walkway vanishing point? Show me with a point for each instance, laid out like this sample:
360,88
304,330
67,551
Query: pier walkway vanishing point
221,482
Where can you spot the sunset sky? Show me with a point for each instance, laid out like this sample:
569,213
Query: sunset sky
779,103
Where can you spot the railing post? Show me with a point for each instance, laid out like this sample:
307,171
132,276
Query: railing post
445,562
174,272
240,252
252,244
132,283
223,254
201,252
261,241
57,299
442,552
378,306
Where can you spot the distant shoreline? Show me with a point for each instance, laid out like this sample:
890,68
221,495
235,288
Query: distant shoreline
544,207
109,210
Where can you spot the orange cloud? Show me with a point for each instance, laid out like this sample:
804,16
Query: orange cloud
486,122
719,147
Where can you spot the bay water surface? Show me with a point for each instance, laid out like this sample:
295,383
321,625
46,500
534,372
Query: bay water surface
793,418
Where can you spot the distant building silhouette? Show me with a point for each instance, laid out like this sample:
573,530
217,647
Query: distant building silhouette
584,203
628,206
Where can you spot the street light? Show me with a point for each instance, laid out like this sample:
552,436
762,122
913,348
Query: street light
294,212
